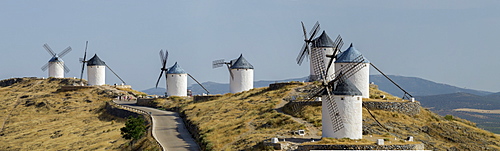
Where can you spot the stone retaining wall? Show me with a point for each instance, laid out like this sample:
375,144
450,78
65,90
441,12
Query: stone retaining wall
146,102
194,131
361,147
200,98
409,108
119,112
276,86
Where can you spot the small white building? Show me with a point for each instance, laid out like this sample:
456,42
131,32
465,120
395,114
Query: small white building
321,43
361,78
176,81
349,103
56,67
96,71
242,79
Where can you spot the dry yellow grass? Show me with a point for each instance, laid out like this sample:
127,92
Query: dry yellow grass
238,121
37,117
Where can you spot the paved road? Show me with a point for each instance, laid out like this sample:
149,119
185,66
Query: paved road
168,129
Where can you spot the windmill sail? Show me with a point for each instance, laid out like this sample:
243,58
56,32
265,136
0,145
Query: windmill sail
306,48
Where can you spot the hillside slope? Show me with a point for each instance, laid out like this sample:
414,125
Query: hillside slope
447,104
242,121
35,116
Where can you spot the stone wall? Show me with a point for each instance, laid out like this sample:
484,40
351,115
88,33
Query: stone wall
408,108
194,131
276,86
146,102
200,98
361,147
119,112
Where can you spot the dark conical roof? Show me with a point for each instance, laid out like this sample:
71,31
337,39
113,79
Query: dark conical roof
56,59
176,69
323,41
350,55
241,63
345,87
95,61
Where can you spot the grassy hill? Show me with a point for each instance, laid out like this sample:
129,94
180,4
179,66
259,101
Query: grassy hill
243,120
34,115
447,104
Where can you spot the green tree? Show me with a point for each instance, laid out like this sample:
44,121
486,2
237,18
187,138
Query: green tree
134,128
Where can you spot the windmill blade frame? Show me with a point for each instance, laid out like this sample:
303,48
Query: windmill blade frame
83,61
49,50
64,52
158,81
66,69
337,45
198,83
314,30
306,49
45,67
302,54
230,73
163,61
218,63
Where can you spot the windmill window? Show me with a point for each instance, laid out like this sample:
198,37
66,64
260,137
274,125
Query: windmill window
341,98
358,98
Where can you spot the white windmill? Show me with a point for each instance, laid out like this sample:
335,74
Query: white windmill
240,71
315,48
176,77
96,69
341,100
361,78
56,65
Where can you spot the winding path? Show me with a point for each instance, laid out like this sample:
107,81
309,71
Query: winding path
168,128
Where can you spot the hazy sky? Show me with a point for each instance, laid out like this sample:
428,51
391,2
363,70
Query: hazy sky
452,42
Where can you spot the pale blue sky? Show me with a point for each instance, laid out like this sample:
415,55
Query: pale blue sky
453,42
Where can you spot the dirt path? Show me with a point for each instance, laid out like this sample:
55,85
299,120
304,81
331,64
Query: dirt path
311,131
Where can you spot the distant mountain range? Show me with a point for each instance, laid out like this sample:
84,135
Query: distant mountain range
418,86
415,86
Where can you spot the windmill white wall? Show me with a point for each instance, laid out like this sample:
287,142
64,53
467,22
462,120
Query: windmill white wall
242,81
96,71
177,84
324,45
242,72
176,81
56,69
361,78
96,75
350,108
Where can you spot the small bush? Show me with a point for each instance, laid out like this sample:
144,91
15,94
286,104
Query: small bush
134,128
448,117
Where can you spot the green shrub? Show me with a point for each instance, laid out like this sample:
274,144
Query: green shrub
448,117
134,128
